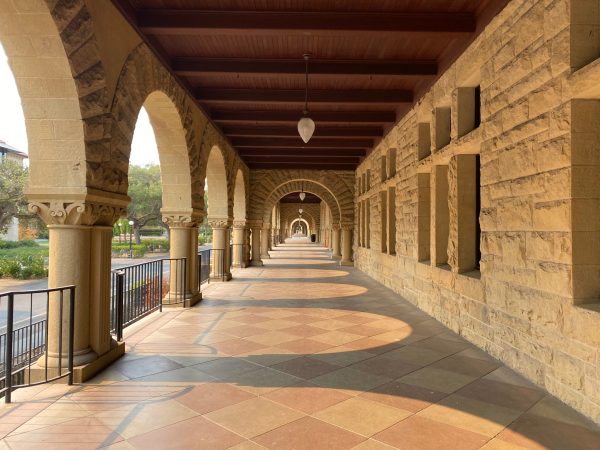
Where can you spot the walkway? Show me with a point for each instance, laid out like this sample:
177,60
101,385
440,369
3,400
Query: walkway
299,354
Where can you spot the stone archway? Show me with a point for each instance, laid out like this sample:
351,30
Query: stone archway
302,220
239,250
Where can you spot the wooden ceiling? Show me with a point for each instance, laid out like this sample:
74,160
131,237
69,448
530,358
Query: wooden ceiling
370,60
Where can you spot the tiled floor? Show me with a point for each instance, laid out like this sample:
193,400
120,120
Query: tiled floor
300,354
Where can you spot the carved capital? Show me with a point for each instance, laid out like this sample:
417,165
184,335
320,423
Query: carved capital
255,223
180,220
59,212
217,223
347,226
239,224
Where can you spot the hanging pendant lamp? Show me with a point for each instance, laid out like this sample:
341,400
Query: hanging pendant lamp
306,126
302,193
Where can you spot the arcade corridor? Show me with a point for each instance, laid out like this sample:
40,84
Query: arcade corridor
302,354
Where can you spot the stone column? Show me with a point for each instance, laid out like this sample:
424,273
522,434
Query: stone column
79,254
220,266
239,238
264,242
346,246
256,243
335,241
183,243
247,248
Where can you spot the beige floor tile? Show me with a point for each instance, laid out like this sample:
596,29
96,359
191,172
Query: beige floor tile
254,417
362,416
307,397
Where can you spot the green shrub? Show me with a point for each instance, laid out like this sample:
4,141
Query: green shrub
23,267
152,231
17,244
157,245
138,250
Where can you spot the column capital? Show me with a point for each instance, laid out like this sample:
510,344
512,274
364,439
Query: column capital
77,212
335,227
255,223
219,222
181,219
239,224
347,226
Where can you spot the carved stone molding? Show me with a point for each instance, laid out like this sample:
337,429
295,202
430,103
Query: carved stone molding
255,224
217,223
336,227
59,212
239,224
180,220
347,226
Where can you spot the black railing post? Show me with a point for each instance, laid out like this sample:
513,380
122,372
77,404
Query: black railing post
119,304
160,283
9,347
184,290
71,332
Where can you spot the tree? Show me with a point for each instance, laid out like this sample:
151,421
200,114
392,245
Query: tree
13,179
145,190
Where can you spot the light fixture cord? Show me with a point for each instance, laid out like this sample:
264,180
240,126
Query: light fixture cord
306,85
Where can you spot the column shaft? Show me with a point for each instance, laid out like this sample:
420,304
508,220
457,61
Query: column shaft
335,241
238,238
346,247
256,246
264,242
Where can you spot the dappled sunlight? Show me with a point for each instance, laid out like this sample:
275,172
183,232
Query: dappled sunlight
294,262
298,273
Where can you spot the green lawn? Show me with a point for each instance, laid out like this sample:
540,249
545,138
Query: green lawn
23,251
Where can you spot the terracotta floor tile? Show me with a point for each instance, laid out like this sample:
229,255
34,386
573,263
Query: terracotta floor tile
196,433
303,318
502,394
236,346
263,380
308,434
363,330
538,432
245,331
146,366
254,417
212,396
224,368
305,367
372,345
437,379
272,338
352,381
404,396
362,416
418,433
372,444
387,367
336,338
307,397
305,330
342,355
466,366
304,346
469,414
355,319
415,355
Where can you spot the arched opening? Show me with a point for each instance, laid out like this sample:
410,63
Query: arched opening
300,228
217,198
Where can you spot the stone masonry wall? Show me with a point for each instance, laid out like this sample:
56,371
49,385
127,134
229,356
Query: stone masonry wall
534,303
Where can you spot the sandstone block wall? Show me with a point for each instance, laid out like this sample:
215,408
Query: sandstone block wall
535,302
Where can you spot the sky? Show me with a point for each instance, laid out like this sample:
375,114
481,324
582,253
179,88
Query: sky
12,122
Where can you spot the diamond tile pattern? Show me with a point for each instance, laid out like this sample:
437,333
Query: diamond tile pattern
300,354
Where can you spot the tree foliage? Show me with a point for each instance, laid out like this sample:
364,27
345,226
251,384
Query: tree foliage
13,179
145,190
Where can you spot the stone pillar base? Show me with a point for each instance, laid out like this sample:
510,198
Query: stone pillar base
255,263
225,277
346,263
189,301
83,372
267,256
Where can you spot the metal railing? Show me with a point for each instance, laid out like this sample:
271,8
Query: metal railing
204,267
141,289
217,263
24,341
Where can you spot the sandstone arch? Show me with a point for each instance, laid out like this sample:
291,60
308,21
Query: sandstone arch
239,197
309,229
216,180
335,188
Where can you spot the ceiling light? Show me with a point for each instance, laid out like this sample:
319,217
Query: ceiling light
306,126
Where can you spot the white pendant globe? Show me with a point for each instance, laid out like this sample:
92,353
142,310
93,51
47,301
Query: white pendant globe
306,128
302,196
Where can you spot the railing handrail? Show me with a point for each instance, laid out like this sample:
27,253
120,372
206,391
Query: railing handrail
148,262
38,291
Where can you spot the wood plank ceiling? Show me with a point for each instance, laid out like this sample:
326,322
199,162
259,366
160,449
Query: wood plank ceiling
370,60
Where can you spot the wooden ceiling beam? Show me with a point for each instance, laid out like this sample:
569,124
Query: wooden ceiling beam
362,96
191,66
240,142
292,131
312,160
300,152
194,22
302,165
293,116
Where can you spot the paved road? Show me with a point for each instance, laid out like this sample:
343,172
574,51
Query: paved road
36,303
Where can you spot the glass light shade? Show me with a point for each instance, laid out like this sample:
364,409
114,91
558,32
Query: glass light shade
300,210
302,196
306,128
